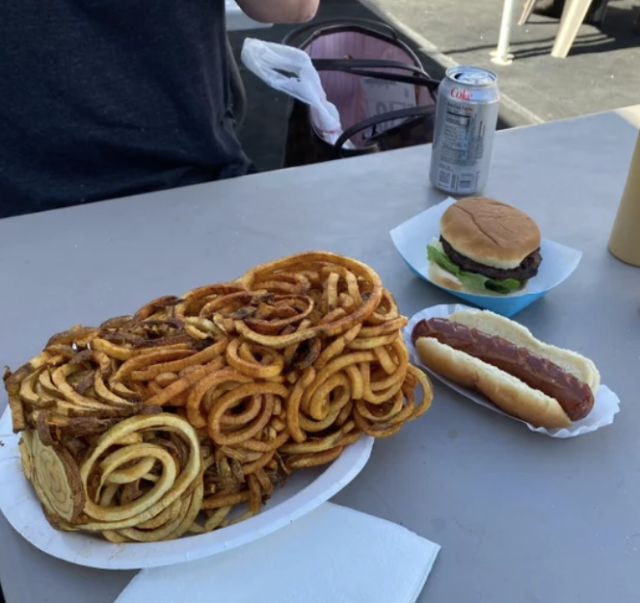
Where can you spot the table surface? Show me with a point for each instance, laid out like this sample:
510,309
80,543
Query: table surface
521,517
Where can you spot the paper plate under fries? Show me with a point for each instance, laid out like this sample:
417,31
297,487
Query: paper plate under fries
607,403
302,493
411,240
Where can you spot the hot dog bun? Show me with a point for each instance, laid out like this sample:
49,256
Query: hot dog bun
506,391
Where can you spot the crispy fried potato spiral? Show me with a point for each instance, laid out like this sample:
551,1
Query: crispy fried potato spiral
167,421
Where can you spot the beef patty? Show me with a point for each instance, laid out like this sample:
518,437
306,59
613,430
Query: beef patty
527,269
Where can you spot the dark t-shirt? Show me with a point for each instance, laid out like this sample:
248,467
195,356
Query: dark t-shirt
107,98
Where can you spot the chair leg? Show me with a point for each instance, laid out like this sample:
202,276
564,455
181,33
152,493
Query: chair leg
529,5
573,15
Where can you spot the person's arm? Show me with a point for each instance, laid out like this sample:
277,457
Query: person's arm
280,11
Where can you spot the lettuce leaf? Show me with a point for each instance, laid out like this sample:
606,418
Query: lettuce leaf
471,280
507,285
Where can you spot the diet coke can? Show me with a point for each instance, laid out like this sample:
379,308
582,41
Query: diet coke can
466,119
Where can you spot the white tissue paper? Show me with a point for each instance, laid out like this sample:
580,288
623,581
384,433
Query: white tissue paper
333,555
290,70
607,403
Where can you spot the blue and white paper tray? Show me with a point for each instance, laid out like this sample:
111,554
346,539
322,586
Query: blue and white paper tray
411,240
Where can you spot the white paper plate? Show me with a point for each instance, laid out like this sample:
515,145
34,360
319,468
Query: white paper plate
607,404
304,492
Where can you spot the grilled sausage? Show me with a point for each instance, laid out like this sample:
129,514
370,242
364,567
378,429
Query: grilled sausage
574,396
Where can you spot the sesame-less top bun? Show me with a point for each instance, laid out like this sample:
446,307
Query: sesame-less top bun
490,232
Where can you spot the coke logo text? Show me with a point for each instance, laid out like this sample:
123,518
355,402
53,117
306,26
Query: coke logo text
460,94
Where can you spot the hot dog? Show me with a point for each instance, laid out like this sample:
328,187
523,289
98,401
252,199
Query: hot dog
539,383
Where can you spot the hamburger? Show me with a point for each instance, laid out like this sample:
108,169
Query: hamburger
485,246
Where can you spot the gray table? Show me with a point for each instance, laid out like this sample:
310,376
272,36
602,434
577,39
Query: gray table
522,518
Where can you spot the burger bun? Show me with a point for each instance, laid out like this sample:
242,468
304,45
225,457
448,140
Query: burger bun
490,232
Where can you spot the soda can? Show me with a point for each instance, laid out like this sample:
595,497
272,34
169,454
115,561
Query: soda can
466,119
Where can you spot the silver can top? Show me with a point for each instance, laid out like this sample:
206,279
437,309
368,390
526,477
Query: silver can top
472,76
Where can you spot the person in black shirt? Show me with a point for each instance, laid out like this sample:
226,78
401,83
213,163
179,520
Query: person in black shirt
108,98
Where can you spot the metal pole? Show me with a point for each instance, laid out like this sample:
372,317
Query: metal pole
501,55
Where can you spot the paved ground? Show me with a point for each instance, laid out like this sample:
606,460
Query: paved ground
602,72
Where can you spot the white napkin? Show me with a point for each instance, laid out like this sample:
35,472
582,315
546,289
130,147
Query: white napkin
333,554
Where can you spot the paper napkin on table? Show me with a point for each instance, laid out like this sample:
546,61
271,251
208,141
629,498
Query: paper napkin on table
332,555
